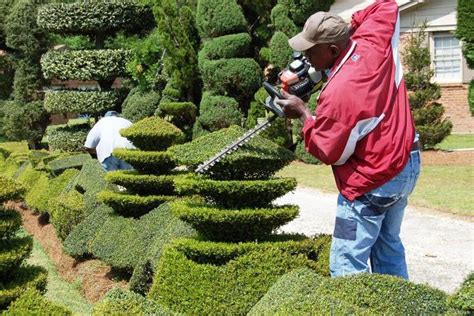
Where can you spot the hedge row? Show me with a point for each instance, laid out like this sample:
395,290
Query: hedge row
66,212
153,133
231,225
95,17
147,161
59,165
9,189
142,184
258,159
103,64
67,138
304,291
32,302
19,281
235,194
72,101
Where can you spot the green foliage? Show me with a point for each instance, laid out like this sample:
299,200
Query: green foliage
471,96
463,299
27,82
227,46
281,22
10,221
66,211
7,72
131,205
139,105
122,302
19,281
219,17
300,10
29,177
187,286
304,291
91,177
235,194
69,138
71,101
465,29
59,165
37,197
280,51
232,225
31,302
304,156
153,133
95,17
100,64
235,77
9,189
142,184
12,253
258,159
218,112
428,114
180,114
147,161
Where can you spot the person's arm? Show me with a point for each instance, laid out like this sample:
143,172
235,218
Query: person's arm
93,139
376,23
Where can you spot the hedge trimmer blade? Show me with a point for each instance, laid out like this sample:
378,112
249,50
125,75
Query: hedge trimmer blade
251,133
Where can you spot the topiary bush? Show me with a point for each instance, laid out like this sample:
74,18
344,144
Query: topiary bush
67,138
281,22
80,101
227,46
280,50
142,184
66,211
218,112
19,281
301,10
151,162
153,133
57,166
463,299
139,105
219,17
31,302
9,189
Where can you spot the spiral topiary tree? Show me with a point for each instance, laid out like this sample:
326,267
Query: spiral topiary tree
15,277
237,250
99,20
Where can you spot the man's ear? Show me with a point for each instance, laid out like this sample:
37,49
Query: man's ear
335,50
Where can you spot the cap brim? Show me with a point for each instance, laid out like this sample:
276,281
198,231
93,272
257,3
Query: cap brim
299,43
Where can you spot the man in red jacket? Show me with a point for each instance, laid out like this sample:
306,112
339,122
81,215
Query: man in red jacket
364,129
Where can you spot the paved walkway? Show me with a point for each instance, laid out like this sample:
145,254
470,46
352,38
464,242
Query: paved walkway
439,247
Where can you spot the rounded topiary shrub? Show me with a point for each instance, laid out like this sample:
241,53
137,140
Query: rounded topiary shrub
80,101
12,253
463,299
32,302
280,51
281,22
218,112
67,138
301,10
219,17
227,46
10,221
9,189
150,162
139,105
142,184
19,281
153,133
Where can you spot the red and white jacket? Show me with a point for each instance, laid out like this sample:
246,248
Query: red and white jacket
363,125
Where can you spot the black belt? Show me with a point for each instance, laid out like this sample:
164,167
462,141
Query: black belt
416,146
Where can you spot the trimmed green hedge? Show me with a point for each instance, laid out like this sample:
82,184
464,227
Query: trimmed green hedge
9,189
91,177
281,22
142,184
230,288
67,138
227,46
463,299
235,194
123,302
37,197
153,133
147,161
219,17
236,77
185,110
67,210
71,101
95,17
31,302
258,159
130,205
12,253
300,10
59,165
139,104
221,224
99,64
280,50
217,112
10,221
19,281
303,291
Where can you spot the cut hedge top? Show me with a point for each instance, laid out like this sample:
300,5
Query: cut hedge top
9,190
258,159
153,133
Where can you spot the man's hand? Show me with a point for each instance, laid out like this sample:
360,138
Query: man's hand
293,107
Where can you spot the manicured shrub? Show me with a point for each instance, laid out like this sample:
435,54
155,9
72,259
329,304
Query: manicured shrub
19,281
31,302
9,189
130,205
153,133
219,17
147,161
67,138
142,184
91,177
258,159
139,105
98,16
280,51
301,10
122,302
59,165
218,112
227,46
85,64
80,101
66,212
235,194
13,252
463,299
10,221
236,77
36,197
281,22
233,225
184,110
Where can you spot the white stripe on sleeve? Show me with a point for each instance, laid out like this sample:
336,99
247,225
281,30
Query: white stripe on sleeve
396,55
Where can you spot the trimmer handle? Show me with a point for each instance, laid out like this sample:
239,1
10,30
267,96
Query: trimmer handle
270,101
272,91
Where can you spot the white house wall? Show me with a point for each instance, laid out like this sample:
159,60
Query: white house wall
440,15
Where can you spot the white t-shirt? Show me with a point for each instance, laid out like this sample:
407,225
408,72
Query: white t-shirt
105,136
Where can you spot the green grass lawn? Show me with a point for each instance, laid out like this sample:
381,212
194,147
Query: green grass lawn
58,290
457,141
444,188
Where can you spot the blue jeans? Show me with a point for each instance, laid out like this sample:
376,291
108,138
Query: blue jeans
112,163
369,227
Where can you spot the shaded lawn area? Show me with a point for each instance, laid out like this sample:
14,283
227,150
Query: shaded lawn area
457,141
444,188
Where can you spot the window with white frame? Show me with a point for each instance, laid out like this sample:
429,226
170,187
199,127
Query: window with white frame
446,58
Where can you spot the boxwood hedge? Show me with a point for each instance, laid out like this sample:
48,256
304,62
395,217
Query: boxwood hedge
463,299
227,46
10,221
59,165
219,17
140,104
12,253
235,194
37,197
303,292
67,138
185,110
67,210
94,17
80,101
131,205
221,224
19,281
9,189
153,133
91,177
32,302
99,64
147,161
281,21
258,159
142,184
218,112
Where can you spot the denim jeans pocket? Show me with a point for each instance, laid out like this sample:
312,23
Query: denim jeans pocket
375,205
